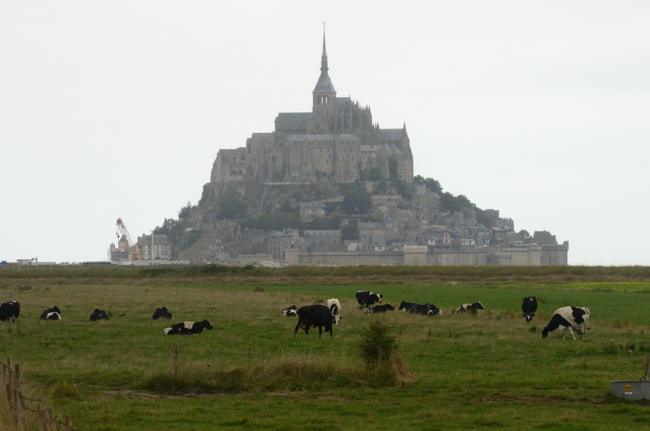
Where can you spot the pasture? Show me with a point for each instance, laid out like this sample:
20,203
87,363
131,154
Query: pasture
487,371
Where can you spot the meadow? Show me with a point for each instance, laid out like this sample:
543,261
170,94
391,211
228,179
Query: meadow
490,371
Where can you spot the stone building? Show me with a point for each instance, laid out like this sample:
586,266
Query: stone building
336,142
162,248
310,210
321,240
280,241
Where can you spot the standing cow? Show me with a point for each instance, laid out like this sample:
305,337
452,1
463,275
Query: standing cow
315,315
568,318
334,306
366,298
10,311
529,307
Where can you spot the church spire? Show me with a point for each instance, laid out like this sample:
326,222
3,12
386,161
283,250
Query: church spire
324,86
323,58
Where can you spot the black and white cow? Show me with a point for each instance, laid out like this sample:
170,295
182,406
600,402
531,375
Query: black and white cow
161,313
382,308
470,308
568,318
187,328
317,315
53,313
529,307
366,298
413,308
99,315
9,310
334,306
290,311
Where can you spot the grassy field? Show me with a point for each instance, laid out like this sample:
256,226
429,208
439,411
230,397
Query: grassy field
250,372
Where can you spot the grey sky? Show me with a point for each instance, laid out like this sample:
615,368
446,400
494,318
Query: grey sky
117,109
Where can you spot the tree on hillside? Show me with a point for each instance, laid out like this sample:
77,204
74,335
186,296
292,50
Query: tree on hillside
230,205
356,200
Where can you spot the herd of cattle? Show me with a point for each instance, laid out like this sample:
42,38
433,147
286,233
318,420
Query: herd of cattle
326,315
10,310
568,318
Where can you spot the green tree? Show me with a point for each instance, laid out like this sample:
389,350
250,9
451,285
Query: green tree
356,201
350,231
230,205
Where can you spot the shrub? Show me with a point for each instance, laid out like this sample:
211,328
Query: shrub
377,345
65,390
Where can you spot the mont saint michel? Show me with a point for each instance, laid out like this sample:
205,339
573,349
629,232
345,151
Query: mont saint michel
329,186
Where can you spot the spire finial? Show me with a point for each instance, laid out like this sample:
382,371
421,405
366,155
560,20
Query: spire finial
323,60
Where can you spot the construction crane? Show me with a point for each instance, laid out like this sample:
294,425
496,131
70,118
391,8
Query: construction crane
122,231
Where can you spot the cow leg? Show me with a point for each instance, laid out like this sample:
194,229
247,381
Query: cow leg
320,331
570,329
296,328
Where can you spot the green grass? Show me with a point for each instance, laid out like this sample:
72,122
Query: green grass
492,371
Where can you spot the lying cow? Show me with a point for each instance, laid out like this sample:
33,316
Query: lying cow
413,308
470,308
290,311
187,328
99,315
10,311
382,308
161,313
366,298
529,307
334,306
569,318
316,315
53,313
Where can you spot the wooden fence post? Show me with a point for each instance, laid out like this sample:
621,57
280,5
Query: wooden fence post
647,367
68,423
23,410
175,361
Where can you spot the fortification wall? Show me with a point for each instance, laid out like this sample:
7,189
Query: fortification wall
414,255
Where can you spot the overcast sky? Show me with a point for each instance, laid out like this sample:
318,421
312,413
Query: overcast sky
540,109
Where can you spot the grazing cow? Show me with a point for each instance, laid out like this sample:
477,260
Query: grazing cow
99,315
315,315
335,308
53,313
470,308
161,313
382,308
529,307
413,308
569,318
290,311
9,310
367,299
187,328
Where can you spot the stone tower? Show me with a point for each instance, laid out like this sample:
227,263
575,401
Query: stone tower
324,94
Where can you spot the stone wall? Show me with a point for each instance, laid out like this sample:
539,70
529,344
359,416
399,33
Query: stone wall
419,255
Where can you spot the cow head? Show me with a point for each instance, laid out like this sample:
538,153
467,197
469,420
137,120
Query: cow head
203,324
289,311
334,312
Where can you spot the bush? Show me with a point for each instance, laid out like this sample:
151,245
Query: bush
377,345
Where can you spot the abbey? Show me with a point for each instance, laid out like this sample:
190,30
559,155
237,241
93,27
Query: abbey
336,142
